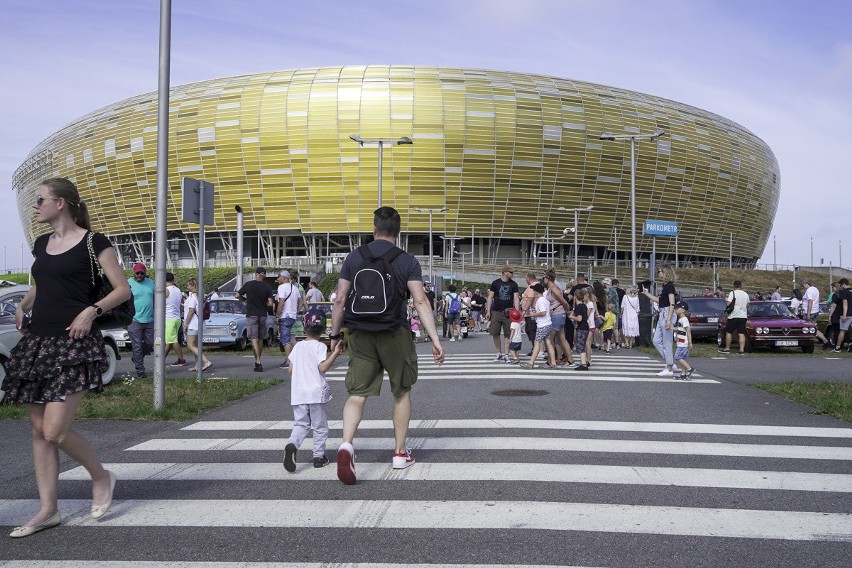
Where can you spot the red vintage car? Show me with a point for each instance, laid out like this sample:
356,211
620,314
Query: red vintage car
772,324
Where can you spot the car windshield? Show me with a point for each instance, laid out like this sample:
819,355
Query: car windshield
705,305
7,308
769,310
228,307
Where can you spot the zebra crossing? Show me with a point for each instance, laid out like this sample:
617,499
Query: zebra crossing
513,490
620,368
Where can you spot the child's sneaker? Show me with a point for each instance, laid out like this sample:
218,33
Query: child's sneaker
402,460
290,457
346,464
321,462
688,374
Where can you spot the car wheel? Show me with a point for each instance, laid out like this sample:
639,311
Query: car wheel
720,338
749,344
270,338
112,358
2,377
809,348
242,343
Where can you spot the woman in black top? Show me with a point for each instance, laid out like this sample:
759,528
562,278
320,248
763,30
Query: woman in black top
61,355
664,332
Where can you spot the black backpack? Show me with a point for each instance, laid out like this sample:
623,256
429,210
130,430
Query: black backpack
375,300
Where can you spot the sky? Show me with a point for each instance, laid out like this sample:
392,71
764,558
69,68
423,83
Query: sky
780,68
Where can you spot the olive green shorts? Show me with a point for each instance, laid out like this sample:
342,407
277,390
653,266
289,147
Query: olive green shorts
371,353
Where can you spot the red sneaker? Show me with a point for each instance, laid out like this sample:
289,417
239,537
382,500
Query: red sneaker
346,464
402,460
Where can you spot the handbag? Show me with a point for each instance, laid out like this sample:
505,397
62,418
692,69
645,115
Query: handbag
729,308
119,316
599,321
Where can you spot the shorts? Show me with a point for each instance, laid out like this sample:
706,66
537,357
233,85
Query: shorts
844,324
499,319
682,353
371,353
476,315
737,325
285,328
192,333
580,337
256,327
557,322
453,319
541,332
172,326
607,335
515,346
814,316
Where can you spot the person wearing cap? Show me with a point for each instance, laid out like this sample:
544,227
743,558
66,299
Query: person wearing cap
503,295
737,317
174,298
517,338
258,296
289,299
683,337
141,329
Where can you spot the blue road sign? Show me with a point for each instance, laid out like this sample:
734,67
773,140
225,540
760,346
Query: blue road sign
660,228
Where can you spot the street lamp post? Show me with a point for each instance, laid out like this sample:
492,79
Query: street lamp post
633,138
381,142
576,211
431,256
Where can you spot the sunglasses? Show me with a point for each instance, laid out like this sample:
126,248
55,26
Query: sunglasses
140,273
39,199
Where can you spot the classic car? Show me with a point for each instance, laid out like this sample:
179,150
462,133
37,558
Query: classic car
10,296
704,313
227,325
773,324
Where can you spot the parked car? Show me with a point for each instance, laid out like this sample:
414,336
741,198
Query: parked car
773,324
704,314
227,325
10,297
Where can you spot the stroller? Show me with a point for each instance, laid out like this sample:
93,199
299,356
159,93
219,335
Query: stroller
464,321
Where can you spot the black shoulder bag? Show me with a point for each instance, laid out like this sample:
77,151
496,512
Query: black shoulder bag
119,316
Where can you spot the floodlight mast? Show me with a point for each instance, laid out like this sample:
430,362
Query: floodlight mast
609,137
404,140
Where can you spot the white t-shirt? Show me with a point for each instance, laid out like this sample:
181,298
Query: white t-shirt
811,294
516,332
290,295
191,303
740,305
214,296
680,332
542,305
314,295
592,309
173,302
308,385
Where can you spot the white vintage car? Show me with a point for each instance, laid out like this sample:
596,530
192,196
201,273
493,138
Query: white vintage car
10,296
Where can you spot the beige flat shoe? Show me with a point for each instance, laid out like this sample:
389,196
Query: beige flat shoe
20,532
99,511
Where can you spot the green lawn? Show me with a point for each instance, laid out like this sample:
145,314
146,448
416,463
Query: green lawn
833,399
127,398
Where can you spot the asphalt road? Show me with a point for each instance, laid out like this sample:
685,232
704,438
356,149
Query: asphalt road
614,467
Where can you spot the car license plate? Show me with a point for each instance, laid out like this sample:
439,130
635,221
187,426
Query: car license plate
120,343
211,340
786,343
712,320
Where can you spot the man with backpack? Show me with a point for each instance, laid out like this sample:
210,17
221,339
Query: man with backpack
371,303
452,302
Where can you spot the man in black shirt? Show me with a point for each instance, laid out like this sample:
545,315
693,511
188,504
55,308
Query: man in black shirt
258,296
841,313
477,304
502,296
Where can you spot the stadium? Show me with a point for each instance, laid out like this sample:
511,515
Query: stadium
501,151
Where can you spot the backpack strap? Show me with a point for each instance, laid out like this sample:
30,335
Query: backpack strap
392,253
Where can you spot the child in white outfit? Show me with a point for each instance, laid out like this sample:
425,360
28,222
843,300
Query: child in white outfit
309,393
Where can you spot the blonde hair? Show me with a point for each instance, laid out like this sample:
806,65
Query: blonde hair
668,273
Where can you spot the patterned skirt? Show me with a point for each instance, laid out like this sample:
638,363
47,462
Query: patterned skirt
48,369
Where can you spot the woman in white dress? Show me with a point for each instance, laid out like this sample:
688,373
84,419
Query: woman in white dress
630,317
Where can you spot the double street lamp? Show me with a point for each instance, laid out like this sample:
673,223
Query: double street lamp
431,256
381,142
575,230
606,136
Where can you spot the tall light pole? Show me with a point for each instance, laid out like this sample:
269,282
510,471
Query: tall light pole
812,252
431,256
576,211
381,142
633,139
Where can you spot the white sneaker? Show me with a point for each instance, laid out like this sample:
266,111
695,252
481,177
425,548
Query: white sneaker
452,339
403,460
665,373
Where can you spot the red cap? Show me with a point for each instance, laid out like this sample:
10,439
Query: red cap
139,267
515,315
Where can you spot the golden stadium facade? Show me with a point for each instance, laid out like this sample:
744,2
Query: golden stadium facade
501,150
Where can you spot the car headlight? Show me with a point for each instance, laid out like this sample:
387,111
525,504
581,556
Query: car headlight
758,330
765,330
232,325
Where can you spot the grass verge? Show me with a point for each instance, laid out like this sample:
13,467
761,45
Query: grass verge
133,399
833,399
